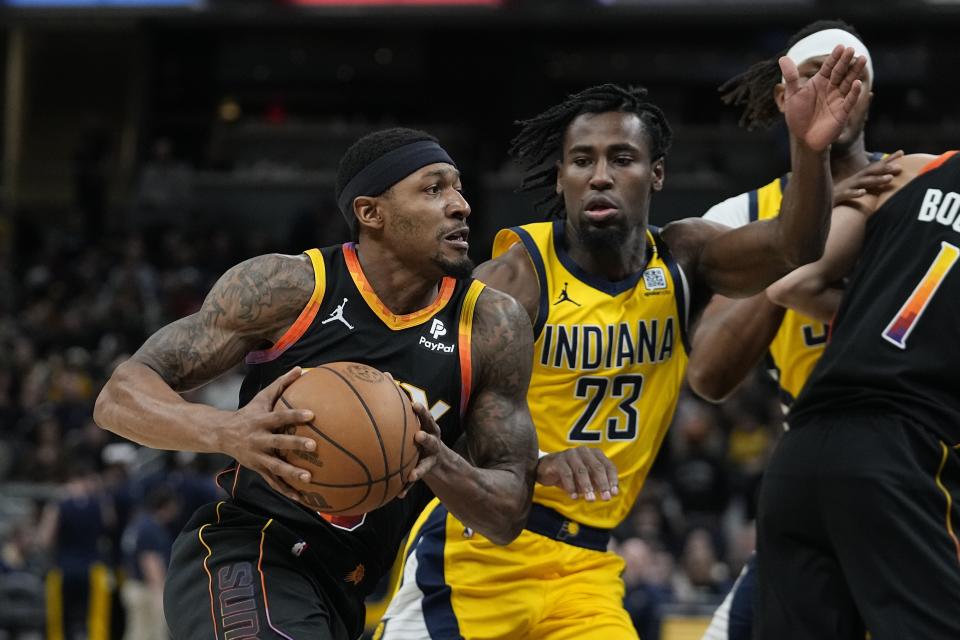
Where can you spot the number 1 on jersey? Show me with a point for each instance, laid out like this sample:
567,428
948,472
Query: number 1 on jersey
903,323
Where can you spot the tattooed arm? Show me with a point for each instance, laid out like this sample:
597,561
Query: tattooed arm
493,497
253,302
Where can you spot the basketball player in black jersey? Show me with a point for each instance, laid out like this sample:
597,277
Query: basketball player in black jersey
733,336
858,523
261,563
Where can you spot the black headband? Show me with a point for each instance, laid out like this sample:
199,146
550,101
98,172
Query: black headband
388,170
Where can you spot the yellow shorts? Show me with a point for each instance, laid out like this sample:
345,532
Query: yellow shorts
456,584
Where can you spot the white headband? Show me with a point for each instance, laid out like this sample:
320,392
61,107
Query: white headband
823,42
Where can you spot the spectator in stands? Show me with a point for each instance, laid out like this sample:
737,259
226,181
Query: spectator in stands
699,475
75,529
703,579
146,545
644,597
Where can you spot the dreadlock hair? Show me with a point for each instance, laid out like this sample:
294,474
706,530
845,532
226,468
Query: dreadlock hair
540,141
753,89
364,151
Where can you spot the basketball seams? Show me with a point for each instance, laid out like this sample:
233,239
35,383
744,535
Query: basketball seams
356,435
354,485
403,434
373,423
336,444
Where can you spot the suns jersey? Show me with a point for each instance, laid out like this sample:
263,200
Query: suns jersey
609,361
800,341
428,352
895,342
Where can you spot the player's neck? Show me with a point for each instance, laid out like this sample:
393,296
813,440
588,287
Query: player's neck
846,161
614,263
402,291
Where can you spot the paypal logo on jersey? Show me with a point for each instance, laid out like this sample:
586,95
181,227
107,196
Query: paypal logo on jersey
437,329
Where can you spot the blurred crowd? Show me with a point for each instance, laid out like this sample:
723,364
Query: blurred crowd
87,520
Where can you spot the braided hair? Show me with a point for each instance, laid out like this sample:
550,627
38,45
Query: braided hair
753,89
540,141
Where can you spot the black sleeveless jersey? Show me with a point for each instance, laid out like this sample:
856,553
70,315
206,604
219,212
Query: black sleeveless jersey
896,339
427,352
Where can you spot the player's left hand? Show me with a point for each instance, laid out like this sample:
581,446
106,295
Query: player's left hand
874,178
817,110
583,471
429,443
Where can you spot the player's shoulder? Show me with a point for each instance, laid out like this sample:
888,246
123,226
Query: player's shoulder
277,270
494,305
686,237
512,263
500,326
912,166
265,289
513,273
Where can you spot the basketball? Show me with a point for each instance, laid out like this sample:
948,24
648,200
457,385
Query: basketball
363,426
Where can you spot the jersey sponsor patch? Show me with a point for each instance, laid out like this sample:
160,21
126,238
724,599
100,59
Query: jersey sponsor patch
654,279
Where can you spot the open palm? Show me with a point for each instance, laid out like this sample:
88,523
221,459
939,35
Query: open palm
817,111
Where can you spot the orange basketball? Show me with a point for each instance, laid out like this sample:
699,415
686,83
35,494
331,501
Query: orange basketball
363,426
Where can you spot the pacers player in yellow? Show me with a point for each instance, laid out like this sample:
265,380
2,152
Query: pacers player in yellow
610,299
733,336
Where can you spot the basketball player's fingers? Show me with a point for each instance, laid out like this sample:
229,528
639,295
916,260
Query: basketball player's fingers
559,470
272,392
851,75
791,77
613,477
838,70
424,466
428,444
876,182
280,487
427,423
844,76
285,471
830,62
851,98
598,472
886,163
581,474
845,195
292,443
282,417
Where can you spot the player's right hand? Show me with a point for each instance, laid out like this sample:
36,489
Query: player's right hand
256,433
583,471
873,178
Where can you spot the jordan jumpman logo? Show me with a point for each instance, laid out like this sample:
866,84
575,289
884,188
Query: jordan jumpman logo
564,297
338,315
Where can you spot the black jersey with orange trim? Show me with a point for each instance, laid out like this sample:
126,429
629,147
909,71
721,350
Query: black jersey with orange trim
428,354
895,344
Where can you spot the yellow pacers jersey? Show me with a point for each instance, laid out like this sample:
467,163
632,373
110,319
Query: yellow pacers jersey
609,360
800,341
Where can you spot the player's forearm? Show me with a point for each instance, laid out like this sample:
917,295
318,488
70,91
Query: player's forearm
494,502
803,291
732,337
804,219
138,405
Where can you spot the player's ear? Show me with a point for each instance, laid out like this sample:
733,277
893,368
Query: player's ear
368,212
778,93
658,168
559,174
